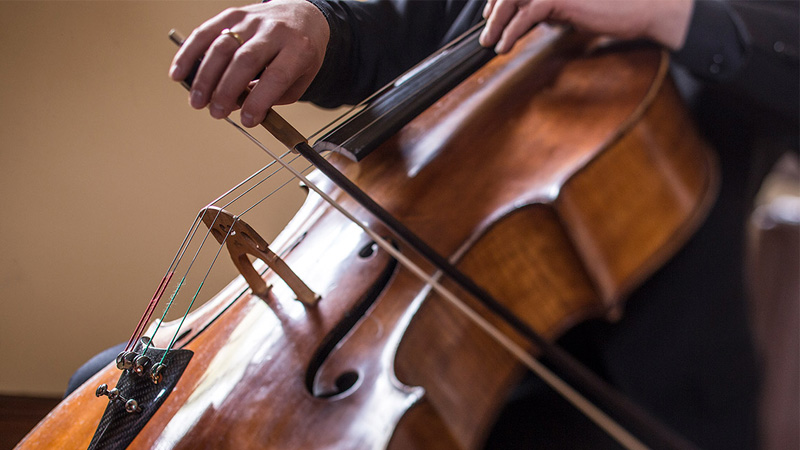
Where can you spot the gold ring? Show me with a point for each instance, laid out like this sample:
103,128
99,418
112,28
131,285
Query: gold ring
233,34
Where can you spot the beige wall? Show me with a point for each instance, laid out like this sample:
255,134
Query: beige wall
104,167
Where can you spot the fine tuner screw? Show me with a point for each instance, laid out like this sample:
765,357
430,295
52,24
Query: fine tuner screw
140,364
131,406
157,373
125,360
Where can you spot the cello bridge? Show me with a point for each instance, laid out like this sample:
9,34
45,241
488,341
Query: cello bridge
242,240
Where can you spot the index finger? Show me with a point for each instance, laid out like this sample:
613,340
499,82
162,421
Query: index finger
283,74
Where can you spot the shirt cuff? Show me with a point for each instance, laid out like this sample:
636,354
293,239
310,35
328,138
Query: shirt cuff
333,69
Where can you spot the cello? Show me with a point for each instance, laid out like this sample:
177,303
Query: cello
375,357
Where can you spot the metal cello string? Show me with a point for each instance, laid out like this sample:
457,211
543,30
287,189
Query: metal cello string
219,249
182,250
409,73
172,267
363,104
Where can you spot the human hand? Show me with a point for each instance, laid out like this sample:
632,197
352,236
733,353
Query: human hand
286,39
663,21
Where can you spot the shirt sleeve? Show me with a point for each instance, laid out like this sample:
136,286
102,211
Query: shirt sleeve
716,44
747,47
373,42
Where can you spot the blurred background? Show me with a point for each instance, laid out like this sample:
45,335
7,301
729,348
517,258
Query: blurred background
104,167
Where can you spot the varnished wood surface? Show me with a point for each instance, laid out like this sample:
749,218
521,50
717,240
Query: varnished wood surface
598,179
557,179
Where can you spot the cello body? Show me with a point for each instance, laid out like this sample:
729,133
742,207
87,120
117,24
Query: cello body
558,177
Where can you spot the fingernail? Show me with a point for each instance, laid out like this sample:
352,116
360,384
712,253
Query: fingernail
217,111
196,99
482,38
173,70
248,120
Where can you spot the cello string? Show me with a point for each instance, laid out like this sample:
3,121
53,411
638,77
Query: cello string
600,418
172,298
191,264
240,184
200,287
190,237
363,104
258,202
170,269
140,328
149,311
288,247
177,260
405,75
195,227
208,271
377,118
